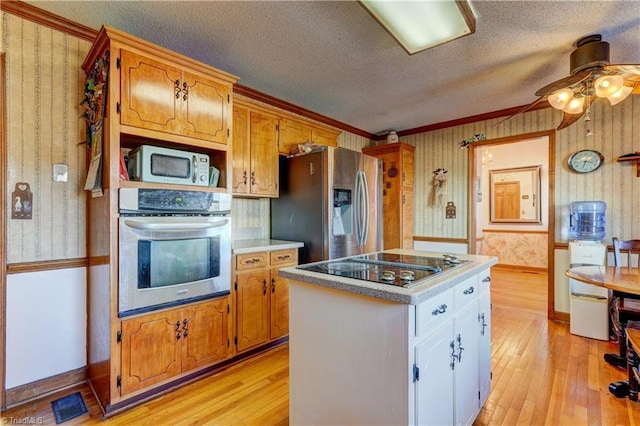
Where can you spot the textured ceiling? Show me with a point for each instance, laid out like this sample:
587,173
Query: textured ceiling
332,58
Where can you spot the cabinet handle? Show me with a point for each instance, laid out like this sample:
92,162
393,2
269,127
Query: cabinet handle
482,323
264,287
177,89
253,178
284,256
185,89
252,261
185,324
486,280
273,285
453,355
178,335
439,310
177,325
403,176
470,290
460,348
403,199
244,177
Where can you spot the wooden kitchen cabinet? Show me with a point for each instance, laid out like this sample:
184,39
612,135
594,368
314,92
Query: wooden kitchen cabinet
158,97
262,297
161,96
159,346
296,131
255,152
397,193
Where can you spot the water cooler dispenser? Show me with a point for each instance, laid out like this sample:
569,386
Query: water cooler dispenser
588,304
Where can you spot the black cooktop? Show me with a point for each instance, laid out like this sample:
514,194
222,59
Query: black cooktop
386,268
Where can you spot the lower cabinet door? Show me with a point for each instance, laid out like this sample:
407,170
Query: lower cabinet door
252,308
279,325
466,382
207,334
434,386
150,350
484,351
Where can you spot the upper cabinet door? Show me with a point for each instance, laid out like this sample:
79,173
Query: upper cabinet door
159,96
264,154
205,108
150,94
241,149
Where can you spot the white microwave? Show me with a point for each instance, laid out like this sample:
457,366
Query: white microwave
149,163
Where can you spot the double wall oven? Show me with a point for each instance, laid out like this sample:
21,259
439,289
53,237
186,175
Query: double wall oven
174,248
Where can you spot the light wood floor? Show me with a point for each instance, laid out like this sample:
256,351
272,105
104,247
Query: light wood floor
542,375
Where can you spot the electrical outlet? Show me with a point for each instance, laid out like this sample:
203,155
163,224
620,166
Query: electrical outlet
60,172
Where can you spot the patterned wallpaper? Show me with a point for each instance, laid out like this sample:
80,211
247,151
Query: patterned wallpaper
617,132
512,248
43,88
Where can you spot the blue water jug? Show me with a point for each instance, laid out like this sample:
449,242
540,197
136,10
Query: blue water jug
587,220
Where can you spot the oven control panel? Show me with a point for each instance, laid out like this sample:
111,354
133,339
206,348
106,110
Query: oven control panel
169,201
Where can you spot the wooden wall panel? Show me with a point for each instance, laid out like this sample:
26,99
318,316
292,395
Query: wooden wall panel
44,89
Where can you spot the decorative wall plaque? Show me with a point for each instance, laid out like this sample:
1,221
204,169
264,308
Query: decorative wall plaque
450,210
21,201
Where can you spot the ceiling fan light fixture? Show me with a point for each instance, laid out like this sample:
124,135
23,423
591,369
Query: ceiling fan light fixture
574,106
607,85
420,25
560,98
620,95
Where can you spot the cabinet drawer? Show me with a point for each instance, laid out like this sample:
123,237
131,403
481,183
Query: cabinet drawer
287,257
252,261
433,312
466,291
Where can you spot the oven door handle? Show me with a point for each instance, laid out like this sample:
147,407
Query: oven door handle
178,227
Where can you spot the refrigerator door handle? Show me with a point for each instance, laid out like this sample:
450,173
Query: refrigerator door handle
362,207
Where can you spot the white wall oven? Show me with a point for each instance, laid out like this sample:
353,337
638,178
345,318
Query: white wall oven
175,248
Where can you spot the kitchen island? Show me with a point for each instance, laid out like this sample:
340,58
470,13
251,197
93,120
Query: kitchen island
365,352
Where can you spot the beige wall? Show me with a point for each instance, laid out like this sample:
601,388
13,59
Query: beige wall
44,89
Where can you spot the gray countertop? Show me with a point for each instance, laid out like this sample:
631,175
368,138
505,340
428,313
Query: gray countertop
253,246
414,295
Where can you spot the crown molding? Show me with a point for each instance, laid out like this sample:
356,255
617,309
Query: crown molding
279,103
39,16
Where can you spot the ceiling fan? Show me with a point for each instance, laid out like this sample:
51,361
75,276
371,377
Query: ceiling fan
592,76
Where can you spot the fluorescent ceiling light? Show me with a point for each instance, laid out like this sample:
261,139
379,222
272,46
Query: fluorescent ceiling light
418,25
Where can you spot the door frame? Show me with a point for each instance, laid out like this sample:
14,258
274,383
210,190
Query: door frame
3,230
472,155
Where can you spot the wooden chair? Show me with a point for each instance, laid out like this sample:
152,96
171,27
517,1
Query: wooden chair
628,248
623,308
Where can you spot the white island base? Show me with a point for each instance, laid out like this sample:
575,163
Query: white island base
357,359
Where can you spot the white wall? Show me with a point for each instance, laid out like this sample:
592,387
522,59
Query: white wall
46,324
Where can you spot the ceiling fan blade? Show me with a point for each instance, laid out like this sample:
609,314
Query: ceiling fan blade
569,119
565,82
520,111
623,68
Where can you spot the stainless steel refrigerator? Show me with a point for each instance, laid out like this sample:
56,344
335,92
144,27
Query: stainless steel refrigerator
330,199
